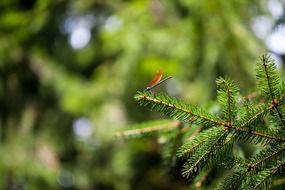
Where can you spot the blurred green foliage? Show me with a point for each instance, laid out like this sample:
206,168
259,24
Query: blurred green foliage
61,100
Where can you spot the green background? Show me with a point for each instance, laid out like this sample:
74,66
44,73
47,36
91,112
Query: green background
60,105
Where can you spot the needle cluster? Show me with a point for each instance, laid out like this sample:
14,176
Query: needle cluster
210,141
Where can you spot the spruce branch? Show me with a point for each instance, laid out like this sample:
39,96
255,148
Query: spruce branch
227,97
269,154
252,115
248,135
275,105
257,181
188,113
255,173
148,128
233,180
176,109
268,81
203,137
267,77
263,178
205,155
257,119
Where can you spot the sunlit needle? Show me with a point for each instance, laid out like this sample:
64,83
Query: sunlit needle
156,81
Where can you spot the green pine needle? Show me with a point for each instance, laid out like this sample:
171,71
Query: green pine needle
147,128
258,119
203,138
267,78
227,98
176,109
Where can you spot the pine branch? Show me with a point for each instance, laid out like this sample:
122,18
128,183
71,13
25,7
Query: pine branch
176,109
257,181
233,180
253,116
262,179
268,82
279,113
205,136
227,96
179,110
148,128
259,119
203,155
248,135
267,78
267,155
276,105
256,172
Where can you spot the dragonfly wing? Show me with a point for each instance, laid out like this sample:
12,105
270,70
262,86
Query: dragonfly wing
155,79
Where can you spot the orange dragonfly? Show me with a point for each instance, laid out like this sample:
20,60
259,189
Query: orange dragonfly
156,81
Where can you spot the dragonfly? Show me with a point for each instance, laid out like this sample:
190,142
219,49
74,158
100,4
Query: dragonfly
156,81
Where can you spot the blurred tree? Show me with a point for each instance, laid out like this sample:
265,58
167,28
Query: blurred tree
69,70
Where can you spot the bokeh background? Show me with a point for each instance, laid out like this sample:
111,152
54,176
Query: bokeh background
69,71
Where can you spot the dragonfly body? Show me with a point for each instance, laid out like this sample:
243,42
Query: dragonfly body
156,80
